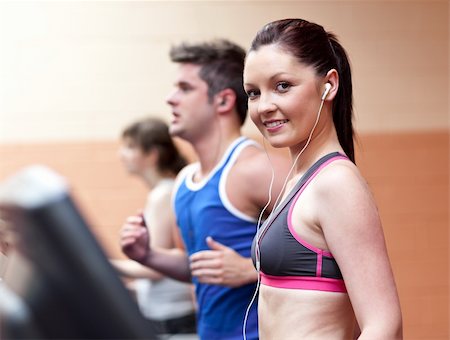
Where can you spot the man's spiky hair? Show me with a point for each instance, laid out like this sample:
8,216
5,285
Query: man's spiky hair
222,67
207,52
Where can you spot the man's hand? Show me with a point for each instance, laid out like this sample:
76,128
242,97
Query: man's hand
222,266
134,239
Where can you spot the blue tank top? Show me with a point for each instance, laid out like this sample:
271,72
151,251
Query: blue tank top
203,209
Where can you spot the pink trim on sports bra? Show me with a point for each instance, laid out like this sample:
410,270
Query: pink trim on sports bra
304,282
320,252
307,282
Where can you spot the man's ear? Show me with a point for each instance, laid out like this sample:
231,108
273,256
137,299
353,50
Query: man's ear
225,100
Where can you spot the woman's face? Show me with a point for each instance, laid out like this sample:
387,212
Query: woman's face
283,95
132,156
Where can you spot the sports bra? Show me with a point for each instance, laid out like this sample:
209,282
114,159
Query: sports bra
288,261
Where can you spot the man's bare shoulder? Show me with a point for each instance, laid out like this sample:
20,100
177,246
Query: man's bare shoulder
255,156
251,151
256,164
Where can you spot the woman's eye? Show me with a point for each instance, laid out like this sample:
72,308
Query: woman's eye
283,86
252,94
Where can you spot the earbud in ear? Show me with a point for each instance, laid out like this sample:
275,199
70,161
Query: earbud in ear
326,91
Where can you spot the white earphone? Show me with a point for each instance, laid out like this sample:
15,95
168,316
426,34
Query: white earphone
326,91
259,232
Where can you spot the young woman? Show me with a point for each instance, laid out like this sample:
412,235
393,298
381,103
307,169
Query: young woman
321,254
148,152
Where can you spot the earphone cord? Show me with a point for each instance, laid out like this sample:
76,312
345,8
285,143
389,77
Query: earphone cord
276,205
244,326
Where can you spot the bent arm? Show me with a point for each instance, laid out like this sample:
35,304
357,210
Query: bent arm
222,265
248,188
173,263
134,270
352,229
134,241
167,254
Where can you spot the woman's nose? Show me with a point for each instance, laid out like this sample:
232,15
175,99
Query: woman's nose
266,104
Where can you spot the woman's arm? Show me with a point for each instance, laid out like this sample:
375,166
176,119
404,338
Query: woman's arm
352,228
134,270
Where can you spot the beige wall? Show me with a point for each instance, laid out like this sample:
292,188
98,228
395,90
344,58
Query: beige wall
407,172
72,74
81,70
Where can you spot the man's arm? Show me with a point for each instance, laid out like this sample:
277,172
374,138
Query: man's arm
248,186
222,266
134,241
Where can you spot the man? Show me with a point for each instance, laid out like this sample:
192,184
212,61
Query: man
219,199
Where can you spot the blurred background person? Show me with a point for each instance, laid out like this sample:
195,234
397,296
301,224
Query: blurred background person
6,240
148,152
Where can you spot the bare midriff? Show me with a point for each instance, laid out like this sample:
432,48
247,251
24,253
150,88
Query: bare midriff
304,314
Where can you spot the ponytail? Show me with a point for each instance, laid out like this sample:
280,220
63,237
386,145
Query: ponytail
343,102
312,45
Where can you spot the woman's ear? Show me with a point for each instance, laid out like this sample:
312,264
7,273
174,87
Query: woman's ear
225,100
332,78
152,157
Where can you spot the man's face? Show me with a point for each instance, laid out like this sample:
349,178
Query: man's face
192,110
